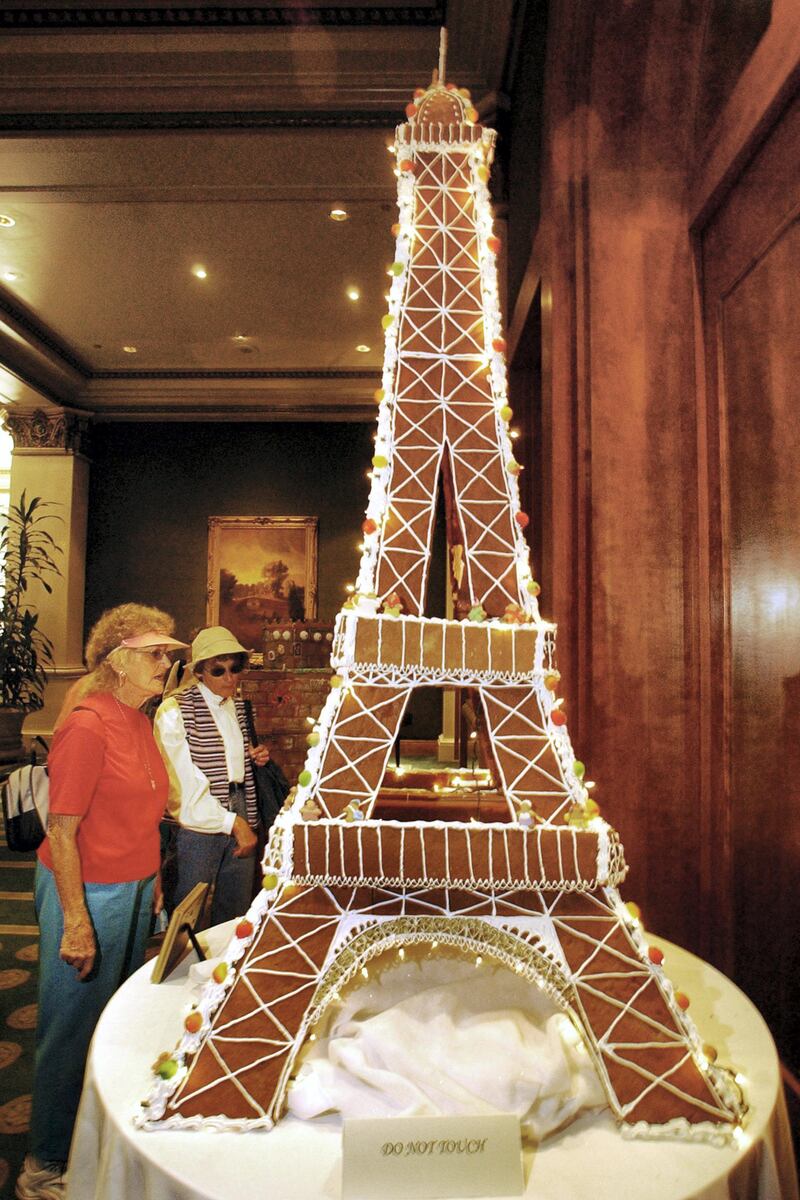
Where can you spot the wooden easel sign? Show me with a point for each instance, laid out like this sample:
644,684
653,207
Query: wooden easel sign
179,935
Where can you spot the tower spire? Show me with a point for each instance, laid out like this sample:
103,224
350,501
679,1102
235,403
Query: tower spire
442,55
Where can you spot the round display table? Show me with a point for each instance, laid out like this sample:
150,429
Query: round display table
301,1160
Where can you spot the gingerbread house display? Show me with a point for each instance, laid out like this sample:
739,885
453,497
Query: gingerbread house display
536,892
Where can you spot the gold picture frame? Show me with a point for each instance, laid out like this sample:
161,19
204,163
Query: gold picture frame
261,570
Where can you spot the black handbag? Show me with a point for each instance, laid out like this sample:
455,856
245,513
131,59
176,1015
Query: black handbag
272,786
26,800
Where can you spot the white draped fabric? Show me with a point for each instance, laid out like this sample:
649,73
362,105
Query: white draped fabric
447,1037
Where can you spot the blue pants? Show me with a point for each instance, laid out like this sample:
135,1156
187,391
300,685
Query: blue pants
208,858
70,1008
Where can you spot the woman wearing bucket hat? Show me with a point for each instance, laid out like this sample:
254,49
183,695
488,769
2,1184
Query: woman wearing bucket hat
97,868
201,731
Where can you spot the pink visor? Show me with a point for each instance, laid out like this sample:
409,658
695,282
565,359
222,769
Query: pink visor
144,640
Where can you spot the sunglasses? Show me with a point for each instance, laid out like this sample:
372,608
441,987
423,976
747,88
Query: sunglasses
218,672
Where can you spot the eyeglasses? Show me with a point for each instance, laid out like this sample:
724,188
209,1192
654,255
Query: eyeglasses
151,652
218,672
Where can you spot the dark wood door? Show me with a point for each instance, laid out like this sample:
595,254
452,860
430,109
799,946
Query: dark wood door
751,318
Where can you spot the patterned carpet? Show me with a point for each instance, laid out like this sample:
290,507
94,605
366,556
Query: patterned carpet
19,952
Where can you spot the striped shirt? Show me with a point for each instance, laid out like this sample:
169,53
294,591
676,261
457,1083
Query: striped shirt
207,748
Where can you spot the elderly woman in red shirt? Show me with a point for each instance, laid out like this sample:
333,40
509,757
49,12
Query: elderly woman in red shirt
97,868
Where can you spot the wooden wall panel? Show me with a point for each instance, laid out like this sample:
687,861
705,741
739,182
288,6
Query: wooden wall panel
751,325
618,390
659,665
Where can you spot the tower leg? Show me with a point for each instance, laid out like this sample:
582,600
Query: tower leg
241,1067
482,500
403,558
359,744
643,1049
523,750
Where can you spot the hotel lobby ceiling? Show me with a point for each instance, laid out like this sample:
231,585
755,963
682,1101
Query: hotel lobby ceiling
172,253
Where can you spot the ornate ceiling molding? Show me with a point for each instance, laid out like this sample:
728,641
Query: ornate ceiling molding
288,414
222,374
24,321
224,16
56,122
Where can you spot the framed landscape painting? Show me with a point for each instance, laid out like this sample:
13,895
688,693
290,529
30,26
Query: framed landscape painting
261,570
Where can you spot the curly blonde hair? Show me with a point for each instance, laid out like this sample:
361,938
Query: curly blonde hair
116,624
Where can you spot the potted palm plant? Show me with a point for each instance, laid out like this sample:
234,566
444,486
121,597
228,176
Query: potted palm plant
28,553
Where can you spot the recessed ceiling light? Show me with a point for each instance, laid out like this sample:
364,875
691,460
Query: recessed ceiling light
10,276
362,349
239,337
353,294
199,272
338,214
6,221
130,349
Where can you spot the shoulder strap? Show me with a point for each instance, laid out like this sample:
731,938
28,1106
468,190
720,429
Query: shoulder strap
249,722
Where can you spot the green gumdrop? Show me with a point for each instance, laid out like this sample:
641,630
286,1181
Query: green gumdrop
167,1068
396,268
579,768
336,681
313,739
270,881
304,778
476,613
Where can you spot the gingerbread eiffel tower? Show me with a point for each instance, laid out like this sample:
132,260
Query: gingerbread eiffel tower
537,891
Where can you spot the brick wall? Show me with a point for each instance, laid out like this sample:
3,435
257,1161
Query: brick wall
288,689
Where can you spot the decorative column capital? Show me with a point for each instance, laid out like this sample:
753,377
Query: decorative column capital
57,430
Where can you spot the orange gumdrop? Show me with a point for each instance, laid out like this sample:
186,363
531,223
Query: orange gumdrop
522,519
499,344
369,526
558,716
407,165
493,243
244,929
655,955
682,1000
411,110
193,1023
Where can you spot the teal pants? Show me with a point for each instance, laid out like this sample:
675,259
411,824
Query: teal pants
69,1008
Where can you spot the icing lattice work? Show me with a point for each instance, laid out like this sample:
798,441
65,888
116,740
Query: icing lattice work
537,891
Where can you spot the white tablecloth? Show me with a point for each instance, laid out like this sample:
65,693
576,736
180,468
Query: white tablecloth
301,1160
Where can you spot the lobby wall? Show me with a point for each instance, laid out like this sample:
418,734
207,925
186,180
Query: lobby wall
154,486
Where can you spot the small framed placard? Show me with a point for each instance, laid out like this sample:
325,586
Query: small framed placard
432,1158
179,934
